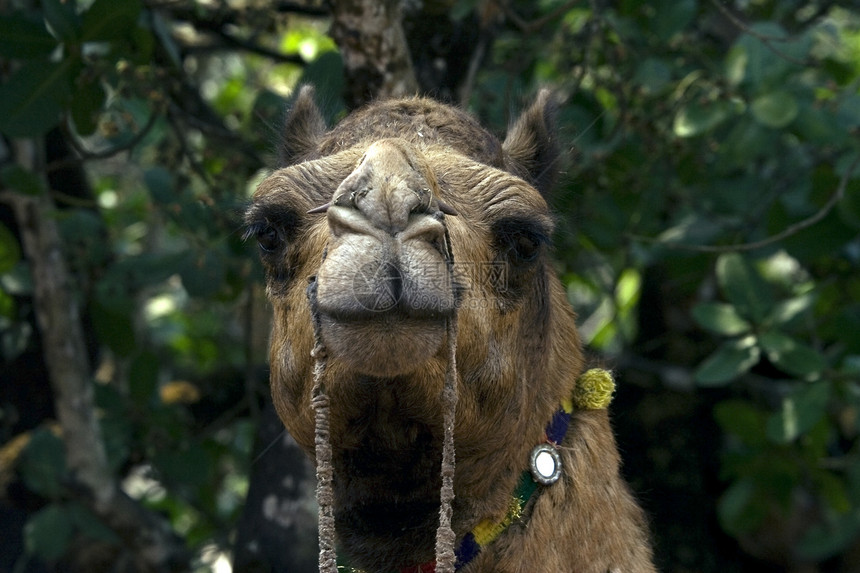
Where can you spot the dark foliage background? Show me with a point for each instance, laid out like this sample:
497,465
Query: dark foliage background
709,238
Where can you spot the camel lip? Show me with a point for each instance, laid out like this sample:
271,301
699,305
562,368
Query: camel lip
398,314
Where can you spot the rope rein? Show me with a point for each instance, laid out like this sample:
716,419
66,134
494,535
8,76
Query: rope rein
446,557
322,445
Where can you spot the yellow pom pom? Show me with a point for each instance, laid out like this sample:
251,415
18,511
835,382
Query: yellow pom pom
594,389
179,392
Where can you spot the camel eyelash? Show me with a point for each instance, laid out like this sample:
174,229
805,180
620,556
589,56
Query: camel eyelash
523,238
270,222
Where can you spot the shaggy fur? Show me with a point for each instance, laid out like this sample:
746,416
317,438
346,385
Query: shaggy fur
384,300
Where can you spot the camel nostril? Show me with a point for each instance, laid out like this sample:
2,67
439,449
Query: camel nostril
426,228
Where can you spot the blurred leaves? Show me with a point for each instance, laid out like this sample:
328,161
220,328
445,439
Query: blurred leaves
23,37
43,464
776,109
34,97
731,359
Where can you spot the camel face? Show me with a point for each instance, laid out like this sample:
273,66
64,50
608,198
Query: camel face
406,240
384,291
403,216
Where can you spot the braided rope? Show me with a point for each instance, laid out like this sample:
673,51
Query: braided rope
322,445
325,470
445,557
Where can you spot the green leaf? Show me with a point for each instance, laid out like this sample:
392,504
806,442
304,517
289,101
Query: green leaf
7,308
730,360
143,377
743,420
744,287
33,98
10,252
720,318
776,109
90,525
43,464
48,532
672,16
86,105
849,111
191,466
737,509
832,489
762,66
799,412
628,290
827,539
117,438
63,19
113,323
849,205
110,19
695,118
653,75
791,356
203,273
16,177
159,181
463,8
786,311
819,126
21,37
736,65
745,141
845,326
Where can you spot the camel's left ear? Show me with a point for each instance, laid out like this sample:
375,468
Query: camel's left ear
303,127
531,145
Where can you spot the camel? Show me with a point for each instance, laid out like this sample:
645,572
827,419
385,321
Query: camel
423,351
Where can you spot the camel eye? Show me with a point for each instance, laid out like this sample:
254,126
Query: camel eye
526,247
521,241
268,238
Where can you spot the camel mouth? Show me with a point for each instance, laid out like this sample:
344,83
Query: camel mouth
384,299
381,291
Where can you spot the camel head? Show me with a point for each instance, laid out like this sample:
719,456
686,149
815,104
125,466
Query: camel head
382,238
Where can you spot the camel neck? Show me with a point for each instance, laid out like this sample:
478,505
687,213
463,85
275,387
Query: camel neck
593,391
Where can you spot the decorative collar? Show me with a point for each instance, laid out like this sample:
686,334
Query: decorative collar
593,391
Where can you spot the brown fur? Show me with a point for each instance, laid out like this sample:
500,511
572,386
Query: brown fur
518,352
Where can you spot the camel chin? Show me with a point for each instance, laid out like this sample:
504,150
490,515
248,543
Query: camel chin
385,346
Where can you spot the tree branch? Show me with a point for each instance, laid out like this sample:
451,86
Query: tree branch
374,50
85,155
767,39
784,234
535,25
66,358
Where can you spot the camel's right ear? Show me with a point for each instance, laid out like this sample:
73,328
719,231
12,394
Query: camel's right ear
303,127
532,143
